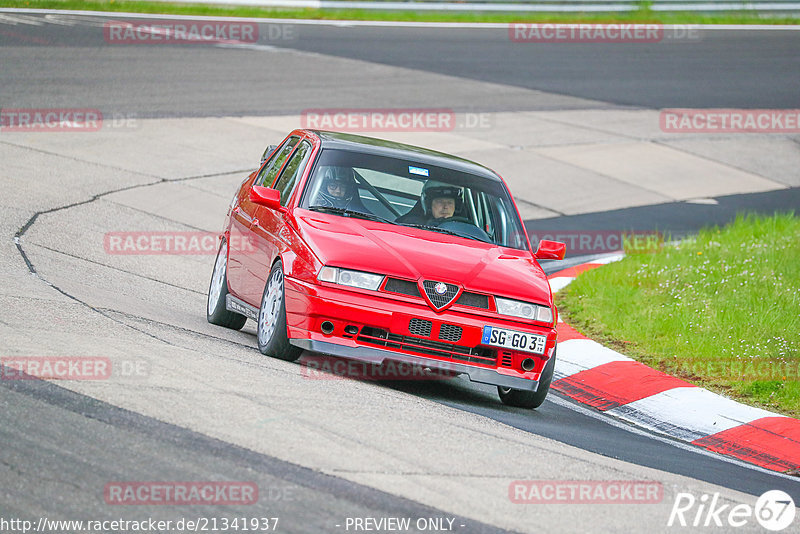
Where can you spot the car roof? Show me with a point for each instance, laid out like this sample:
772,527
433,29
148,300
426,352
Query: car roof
382,147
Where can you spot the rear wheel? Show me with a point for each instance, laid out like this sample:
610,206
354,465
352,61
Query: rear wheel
530,399
272,337
216,312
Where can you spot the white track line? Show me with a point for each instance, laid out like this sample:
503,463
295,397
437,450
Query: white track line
387,23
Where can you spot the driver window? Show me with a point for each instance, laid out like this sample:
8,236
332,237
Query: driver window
292,171
270,170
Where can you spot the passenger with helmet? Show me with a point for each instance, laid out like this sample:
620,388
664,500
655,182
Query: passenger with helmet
339,190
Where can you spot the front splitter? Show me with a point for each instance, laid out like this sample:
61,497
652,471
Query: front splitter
377,356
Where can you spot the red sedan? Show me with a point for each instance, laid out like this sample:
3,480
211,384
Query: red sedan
373,250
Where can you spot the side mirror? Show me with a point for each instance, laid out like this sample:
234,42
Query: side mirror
268,152
550,250
264,196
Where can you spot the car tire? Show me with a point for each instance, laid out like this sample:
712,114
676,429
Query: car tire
530,399
272,334
216,312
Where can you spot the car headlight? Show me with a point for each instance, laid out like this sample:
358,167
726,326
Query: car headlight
524,310
350,278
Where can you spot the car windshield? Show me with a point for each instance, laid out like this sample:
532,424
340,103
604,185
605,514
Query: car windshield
410,193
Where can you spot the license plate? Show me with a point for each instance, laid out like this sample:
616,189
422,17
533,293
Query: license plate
511,339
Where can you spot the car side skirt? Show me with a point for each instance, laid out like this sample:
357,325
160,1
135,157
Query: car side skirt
374,355
241,307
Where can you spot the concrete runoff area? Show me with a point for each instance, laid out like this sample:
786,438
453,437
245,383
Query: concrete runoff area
179,175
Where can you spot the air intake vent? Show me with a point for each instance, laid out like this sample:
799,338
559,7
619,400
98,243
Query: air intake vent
382,338
439,293
476,300
450,332
404,287
420,327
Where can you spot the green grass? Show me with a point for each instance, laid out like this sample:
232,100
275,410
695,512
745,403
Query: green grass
721,310
641,16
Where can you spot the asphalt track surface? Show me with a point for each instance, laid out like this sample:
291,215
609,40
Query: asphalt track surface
716,68
749,69
122,443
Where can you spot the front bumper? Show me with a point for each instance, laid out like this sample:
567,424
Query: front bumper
309,305
377,356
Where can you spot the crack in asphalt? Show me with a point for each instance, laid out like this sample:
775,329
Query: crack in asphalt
32,220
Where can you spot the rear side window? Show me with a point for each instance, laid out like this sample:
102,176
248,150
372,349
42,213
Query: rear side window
293,171
270,170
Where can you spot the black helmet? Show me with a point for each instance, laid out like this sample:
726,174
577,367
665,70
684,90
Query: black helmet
343,177
433,189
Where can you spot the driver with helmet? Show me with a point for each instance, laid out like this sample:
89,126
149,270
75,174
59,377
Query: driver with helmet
439,202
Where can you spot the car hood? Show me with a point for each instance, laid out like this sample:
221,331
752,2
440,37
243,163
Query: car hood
413,253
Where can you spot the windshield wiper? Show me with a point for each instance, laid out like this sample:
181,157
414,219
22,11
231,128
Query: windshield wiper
351,213
445,231
429,227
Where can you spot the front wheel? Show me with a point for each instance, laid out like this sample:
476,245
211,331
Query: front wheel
216,312
530,399
272,337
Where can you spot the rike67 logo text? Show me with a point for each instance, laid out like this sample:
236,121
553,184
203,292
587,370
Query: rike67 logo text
774,511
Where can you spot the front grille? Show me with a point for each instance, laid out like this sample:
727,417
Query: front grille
420,327
439,300
383,338
475,300
404,287
450,332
